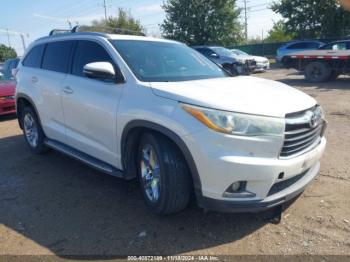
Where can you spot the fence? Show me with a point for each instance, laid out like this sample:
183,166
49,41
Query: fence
268,49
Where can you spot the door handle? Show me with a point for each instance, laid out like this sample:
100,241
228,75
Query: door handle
68,90
35,79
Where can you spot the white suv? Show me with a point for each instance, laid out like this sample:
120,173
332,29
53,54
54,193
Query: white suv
156,110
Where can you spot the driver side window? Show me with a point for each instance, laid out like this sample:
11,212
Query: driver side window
88,52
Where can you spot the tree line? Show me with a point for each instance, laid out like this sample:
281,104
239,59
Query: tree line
205,22
199,22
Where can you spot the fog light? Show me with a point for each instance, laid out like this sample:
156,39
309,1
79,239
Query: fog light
238,190
236,186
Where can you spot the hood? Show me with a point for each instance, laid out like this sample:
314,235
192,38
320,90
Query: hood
260,59
242,94
250,57
7,88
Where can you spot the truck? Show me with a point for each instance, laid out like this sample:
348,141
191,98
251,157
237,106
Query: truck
320,65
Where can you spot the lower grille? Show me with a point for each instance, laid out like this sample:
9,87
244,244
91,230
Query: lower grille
303,131
286,183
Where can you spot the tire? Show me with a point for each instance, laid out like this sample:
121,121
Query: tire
32,131
284,61
317,72
334,76
163,174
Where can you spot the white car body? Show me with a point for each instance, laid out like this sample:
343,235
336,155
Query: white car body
262,63
74,112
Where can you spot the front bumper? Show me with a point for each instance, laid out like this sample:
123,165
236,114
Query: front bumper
223,160
7,107
262,67
274,200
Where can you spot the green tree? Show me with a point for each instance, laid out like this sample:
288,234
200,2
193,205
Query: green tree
7,53
278,33
122,23
200,22
314,19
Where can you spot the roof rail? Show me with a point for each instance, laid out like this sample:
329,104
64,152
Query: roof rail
59,32
98,29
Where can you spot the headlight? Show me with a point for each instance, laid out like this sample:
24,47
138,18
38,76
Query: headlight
237,123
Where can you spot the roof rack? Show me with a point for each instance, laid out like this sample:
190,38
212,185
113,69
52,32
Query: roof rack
77,28
59,32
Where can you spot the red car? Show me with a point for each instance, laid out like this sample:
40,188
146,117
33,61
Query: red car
7,97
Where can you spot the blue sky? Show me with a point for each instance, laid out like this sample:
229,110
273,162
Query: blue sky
37,18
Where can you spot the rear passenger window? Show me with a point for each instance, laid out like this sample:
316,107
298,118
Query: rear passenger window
313,45
56,56
298,46
88,52
33,58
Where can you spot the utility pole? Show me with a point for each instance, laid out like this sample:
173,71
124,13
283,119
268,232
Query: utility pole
23,42
246,19
8,37
105,7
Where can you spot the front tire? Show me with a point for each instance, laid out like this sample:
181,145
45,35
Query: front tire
163,175
33,132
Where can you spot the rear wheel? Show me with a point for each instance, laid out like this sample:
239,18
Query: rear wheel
317,72
163,175
33,132
334,75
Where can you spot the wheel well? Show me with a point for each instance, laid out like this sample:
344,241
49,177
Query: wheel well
130,144
21,104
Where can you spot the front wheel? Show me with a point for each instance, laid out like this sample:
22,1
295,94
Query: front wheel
33,132
163,175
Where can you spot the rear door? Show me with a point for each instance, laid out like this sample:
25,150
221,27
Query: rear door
49,81
90,106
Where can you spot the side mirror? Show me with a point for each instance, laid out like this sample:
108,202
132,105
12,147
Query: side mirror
100,70
213,55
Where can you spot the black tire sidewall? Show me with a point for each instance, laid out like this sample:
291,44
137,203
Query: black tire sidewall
323,67
149,139
40,148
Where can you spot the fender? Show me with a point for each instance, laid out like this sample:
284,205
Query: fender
174,138
31,102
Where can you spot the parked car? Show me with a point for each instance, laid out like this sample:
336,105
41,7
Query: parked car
224,57
7,97
157,110
8,66
296,46
262,63
336,46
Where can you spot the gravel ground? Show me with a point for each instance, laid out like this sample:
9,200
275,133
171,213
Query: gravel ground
52,204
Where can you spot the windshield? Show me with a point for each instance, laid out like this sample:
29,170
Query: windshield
153,61
238,52
221,51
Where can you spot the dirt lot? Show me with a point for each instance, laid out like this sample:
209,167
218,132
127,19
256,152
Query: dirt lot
54,205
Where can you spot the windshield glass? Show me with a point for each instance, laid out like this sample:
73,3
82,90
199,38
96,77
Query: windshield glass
238,52
221,51
153,61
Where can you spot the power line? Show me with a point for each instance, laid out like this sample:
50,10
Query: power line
265,4
259,10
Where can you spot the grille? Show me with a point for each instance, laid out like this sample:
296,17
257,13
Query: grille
278,187
303,131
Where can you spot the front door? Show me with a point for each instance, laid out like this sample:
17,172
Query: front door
90,106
